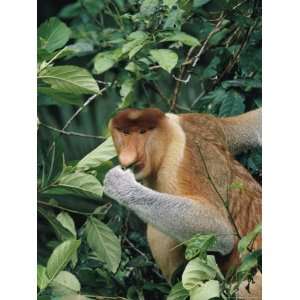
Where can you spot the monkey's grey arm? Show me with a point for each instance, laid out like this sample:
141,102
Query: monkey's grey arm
177,217
243,132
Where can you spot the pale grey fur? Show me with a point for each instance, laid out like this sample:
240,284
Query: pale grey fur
243,132
178,217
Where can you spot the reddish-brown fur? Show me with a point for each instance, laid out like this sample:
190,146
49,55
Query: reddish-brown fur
206,165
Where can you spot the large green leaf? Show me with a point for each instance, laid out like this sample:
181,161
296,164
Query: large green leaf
196,271
60,257
42,278
65,283
199,245
104,243
49,96
53,34
247,239
208,290
66,220
183,38
199,3
167,59
178,292
102,153
61,232
232,105
103,61
70,79
78,184
149,7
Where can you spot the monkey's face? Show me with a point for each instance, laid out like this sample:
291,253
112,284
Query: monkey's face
136,134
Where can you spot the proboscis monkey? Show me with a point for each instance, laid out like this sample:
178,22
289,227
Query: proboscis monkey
187,166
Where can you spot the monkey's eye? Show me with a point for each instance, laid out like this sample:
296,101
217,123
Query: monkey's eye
142,131
125,131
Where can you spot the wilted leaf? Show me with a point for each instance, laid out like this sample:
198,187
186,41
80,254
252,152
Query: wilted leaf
102,153
178,292
70,79
53,34
104,243
60,257
167,59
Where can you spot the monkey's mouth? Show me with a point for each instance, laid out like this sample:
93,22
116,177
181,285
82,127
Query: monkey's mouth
138,167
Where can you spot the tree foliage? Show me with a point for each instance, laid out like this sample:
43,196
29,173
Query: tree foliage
94,58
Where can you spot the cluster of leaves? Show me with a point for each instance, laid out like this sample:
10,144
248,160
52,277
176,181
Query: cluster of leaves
202,279
95,58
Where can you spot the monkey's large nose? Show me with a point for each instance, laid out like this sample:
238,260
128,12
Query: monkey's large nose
127,159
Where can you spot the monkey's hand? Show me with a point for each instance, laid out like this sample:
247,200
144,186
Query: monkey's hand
120,185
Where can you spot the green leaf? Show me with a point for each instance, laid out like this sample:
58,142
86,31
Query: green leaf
246,240
199,3
126,92
149,7
55,97
66,220
71,10
103,61
61,232
178,292
167,59
70,79
199,244
174,19
104,243
196,271
102,153
42,278
208,290
232,105
53,34
65,283
170,3
78,184
183,38
60,257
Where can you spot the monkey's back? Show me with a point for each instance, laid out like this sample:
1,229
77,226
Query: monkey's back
210,171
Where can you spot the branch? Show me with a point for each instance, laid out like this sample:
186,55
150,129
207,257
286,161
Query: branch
195,60
72,132
218,193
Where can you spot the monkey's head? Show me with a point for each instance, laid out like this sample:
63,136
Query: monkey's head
138,139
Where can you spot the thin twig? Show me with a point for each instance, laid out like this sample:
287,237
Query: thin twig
180,80
142,254
72,132
218,193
